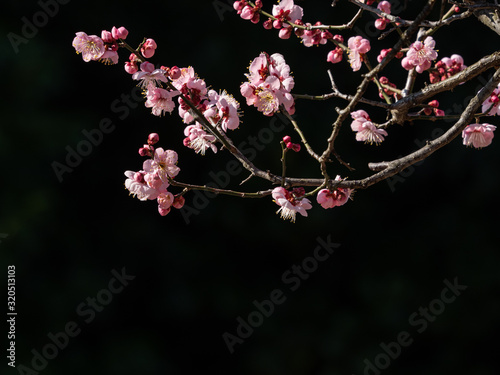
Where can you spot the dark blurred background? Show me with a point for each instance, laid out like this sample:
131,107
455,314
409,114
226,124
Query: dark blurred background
188,283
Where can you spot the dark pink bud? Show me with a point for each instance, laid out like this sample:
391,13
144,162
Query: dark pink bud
295,147
153,138
339,38
255,18
268,25
163,211
175,72
179,202
287,139
326,34
119,33
107,37
434,103
277,24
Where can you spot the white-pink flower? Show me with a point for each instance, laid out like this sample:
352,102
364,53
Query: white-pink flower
365,130
160,100
290,203
90,46
478,135
198,139
420,55
164,163
357,47
286,10
149,75
137,186
269,84
223,108
266,101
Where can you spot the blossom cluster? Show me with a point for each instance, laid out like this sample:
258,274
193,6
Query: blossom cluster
446,68
152,181
208,115
269,84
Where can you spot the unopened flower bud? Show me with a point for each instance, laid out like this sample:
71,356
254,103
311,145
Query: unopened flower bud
268,24
107,37
287,139
175,72
153,138
163,211
119,33
179,202
148,48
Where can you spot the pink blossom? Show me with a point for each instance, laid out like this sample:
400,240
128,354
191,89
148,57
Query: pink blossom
109,57
491,106
90,46
357,47
198,139
154,181
420,55
148,48
149,76
164,163
478,135
290,203
223,108
160,100
269,84
266,101
286,10
330,199
365,130
315,36
119,33
138,188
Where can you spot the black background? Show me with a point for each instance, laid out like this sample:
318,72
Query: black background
193,280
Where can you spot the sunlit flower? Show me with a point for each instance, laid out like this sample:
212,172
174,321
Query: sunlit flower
478,135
